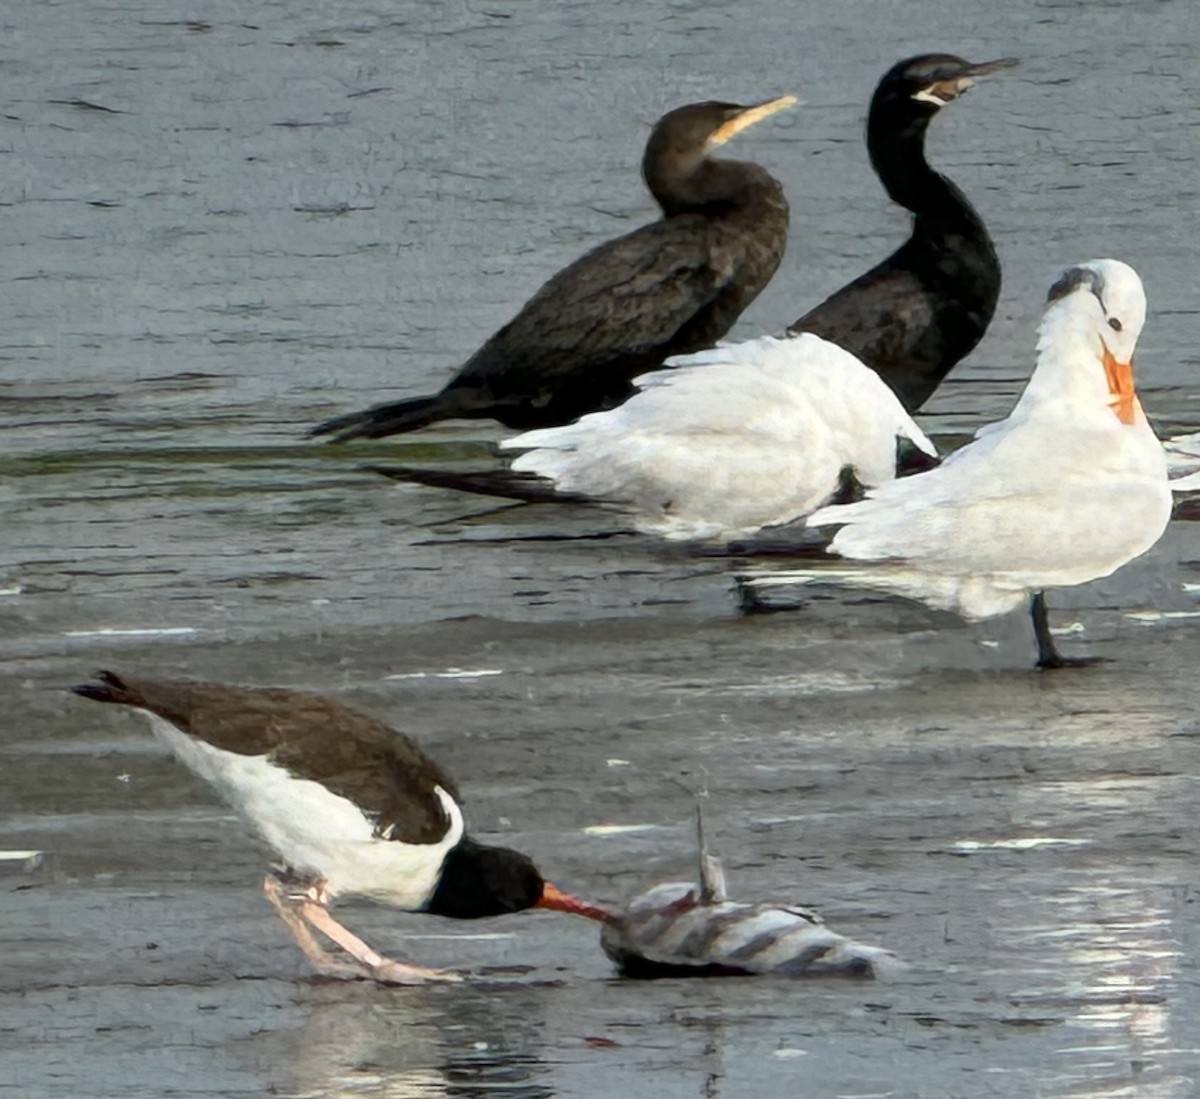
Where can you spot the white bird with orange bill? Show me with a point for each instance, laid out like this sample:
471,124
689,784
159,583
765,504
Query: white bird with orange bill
1067,489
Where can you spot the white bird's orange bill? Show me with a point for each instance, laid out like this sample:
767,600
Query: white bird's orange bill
1120,385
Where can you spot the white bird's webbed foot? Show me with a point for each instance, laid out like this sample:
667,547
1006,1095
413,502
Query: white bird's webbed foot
1049,658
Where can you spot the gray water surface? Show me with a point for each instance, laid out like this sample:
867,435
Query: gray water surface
223,223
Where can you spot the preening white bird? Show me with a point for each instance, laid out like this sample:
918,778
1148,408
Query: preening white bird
1067,489
730,440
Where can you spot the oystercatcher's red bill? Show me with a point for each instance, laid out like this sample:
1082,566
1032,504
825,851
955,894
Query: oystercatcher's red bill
553,897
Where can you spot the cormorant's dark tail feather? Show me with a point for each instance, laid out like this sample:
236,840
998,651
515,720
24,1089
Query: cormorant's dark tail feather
111,688
503,483
388,419
912,459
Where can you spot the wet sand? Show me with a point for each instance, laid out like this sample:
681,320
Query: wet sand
273,223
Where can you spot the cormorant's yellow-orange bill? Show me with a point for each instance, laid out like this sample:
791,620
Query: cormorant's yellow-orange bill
749,117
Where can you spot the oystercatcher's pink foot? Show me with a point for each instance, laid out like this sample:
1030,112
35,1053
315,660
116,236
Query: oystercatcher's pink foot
322,962
390,972
381,968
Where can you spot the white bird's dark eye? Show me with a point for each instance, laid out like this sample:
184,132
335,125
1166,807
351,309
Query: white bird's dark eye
1114,324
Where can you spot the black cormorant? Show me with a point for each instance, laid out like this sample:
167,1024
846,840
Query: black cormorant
925,307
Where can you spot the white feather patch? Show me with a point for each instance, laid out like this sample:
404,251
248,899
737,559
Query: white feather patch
316,831
730,440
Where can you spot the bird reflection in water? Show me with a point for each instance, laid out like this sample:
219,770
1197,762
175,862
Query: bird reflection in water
417,1044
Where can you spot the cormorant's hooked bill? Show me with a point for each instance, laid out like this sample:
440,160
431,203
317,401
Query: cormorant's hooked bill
948,76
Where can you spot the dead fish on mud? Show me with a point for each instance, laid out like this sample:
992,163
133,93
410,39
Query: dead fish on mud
683,929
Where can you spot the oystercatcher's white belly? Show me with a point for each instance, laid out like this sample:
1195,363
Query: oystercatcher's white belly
315,831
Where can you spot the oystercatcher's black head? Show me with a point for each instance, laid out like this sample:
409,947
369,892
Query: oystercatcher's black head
478,880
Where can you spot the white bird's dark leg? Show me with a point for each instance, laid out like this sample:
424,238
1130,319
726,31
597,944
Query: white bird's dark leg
750,602
1049,657
381,968
326,964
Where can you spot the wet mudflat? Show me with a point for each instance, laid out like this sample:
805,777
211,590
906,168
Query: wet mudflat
1023,842
270,220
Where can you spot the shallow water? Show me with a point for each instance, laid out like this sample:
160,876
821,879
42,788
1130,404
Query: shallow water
279,217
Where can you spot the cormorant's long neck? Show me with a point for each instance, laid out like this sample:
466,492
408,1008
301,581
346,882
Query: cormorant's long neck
713,186
897,153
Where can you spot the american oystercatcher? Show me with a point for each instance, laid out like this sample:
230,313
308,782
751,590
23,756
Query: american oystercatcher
352,806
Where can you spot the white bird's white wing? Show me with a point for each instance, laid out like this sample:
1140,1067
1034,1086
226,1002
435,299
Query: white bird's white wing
730,440
1036,503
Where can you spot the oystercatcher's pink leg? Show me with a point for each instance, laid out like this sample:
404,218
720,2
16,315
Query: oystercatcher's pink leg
326,964
381,968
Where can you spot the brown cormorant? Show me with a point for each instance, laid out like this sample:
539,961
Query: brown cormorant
674,286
